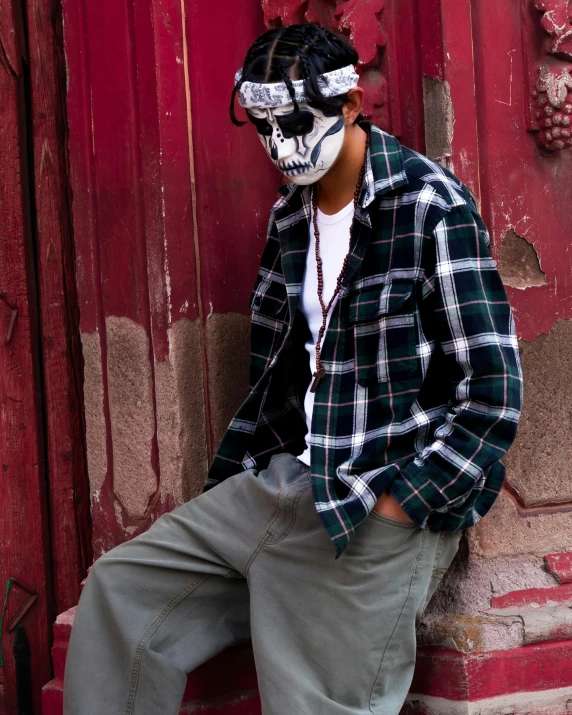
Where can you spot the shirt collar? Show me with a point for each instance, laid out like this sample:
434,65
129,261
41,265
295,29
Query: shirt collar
384,169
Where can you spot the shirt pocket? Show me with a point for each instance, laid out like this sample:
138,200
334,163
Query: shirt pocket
385,333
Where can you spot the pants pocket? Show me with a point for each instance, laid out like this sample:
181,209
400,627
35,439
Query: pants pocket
388,521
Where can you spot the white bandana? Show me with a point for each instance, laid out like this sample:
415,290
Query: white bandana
331,84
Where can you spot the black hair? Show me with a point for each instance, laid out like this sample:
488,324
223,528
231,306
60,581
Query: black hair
297,52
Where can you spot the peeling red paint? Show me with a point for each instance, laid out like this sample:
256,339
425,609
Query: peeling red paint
465,677
560,565
536,596
547,508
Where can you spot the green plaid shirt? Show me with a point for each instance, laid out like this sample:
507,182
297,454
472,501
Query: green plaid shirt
423,388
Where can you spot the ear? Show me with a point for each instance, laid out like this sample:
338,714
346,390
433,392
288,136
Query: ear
352,107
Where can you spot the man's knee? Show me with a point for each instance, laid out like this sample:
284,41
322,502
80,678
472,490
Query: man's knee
110,568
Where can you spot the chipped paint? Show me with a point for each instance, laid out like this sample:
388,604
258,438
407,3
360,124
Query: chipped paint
94,411
131,414
471,634
439,118
504,532
471,583
543,702
542,445
180,414
228,352
518,262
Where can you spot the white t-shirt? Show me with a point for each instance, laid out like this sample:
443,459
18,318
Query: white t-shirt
334,243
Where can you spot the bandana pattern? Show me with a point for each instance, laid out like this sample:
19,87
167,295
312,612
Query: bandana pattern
331,84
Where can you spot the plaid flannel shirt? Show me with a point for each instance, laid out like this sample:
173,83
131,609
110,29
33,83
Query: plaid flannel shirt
423,388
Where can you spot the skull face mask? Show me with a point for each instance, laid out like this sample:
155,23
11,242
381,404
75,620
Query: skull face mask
302,142
303,145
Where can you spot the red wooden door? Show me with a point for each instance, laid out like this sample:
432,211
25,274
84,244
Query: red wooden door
168,231
24,532
170,201
44,520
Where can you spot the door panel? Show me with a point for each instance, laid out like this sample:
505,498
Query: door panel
168,231
24,534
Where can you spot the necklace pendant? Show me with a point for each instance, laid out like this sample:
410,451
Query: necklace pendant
318,377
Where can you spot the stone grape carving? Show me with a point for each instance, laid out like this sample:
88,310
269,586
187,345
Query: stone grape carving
557,22
552,95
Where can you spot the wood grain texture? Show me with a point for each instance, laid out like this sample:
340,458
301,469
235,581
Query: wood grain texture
136,274
24,535
58,307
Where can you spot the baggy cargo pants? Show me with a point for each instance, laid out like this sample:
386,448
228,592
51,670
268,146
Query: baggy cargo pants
251,559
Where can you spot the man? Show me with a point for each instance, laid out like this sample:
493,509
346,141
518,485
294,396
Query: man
385,387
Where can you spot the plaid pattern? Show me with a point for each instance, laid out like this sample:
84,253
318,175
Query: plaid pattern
423,387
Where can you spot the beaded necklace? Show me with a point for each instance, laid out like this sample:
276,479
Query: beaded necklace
320,369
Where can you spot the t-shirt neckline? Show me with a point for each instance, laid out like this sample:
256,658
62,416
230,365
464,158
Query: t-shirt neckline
337,217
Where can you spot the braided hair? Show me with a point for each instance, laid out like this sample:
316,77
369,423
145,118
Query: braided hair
297,52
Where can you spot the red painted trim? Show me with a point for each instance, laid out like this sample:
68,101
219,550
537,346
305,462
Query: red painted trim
539,510
560,565
540,596
225,684
473,676
438,672
242,703
404,71
447,54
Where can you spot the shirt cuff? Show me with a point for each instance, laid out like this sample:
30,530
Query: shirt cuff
415,489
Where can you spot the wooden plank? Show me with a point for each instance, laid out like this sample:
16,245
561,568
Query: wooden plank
59,310
406,89
447,57
236,183
236,186
133,227
24,538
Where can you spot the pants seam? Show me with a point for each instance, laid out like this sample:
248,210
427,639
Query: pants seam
266,535
413,574
272,542
149,633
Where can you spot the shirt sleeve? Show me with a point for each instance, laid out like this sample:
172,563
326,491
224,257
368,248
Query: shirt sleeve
262,329
473,325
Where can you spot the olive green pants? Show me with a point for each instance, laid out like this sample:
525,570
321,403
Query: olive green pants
251,559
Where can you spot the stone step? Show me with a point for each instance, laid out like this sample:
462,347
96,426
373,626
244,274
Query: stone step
560,566
226,685
534,597
512,657
543,702
241,703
